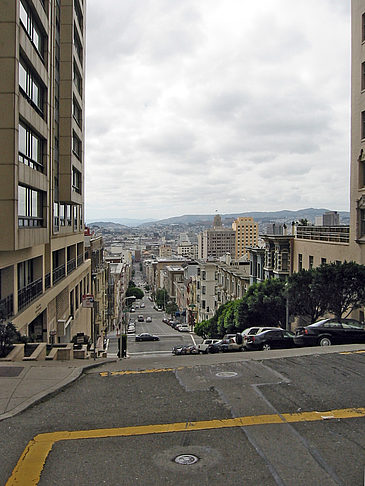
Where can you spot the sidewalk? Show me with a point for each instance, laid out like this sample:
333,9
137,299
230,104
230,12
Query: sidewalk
24,383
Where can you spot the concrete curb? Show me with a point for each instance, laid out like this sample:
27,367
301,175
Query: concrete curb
38,397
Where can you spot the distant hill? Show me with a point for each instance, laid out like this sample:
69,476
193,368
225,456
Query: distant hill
108,225
127,222
285,215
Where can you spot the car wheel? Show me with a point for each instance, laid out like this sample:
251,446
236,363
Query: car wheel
266,347
325,341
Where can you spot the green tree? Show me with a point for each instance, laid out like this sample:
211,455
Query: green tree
206,329
266,304
131,284
162,298
342,287
305,298
171,308
134,291
227,320
8,336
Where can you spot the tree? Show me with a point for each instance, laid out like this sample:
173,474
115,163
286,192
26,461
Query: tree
162,298
342,287
303,222
227,322
305,299
206,329
131,284
134,291
171,308
8,336
265,304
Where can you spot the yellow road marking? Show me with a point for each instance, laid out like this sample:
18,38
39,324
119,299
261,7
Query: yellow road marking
138,372
28,470
353,352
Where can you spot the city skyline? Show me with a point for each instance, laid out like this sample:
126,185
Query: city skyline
202,110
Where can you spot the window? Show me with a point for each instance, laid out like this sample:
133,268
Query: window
79,14
56,220
362,222
75,217
76,180
363,124
62,215
72,309
30,148
77,79
323,261
78,45
310,261
76,112
25,273
30,207
30,87
363,76
363,27
68,214
31,27
76,145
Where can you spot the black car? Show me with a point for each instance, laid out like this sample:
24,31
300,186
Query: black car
145,336
272,339
330,331
215,347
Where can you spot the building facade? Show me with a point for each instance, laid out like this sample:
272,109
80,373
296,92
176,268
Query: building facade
246,235
43,271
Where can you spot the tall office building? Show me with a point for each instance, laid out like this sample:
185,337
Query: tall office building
216,242
43,272
247,235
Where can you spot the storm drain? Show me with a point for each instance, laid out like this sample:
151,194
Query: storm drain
186,459
226,374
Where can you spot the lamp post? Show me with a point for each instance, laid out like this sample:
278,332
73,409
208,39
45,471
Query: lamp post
287,306
122,342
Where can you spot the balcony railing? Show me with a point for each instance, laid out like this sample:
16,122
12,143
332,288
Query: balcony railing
333,234
80,260
58,273
29,293
47,280
6,307
71,265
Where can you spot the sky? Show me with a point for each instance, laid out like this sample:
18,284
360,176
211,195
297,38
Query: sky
197,106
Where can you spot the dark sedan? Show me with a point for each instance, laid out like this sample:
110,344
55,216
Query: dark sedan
330,331
145,336
272,339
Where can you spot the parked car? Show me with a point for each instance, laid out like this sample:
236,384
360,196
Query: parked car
149,319
229,344
252,331
131,330
330,331
142,305
271,339
145,336
184,349
165,320
215,347
203,347
183,328
132,309
140,318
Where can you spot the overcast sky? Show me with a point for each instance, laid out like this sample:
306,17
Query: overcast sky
194,106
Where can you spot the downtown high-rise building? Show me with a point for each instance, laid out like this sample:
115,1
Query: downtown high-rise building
247,235
43,271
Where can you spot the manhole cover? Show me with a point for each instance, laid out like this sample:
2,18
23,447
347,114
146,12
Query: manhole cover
186,459
226,374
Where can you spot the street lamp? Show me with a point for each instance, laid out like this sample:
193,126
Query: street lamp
122,343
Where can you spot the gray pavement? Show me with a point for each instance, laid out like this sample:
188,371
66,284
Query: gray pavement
24,383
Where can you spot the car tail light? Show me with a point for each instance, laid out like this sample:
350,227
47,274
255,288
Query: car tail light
305,331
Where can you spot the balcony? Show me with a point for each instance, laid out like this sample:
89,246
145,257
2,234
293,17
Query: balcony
58,273
47,281
27,294
71,265
333,234
80,260
6,307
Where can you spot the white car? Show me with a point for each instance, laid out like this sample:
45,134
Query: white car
149,319
183,328
142,305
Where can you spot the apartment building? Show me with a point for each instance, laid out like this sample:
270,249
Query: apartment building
206,282
43,271
246,235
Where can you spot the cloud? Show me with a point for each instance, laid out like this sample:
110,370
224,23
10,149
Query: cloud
193,105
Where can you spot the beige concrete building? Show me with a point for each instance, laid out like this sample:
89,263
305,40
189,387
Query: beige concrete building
216,242
246,235
43,272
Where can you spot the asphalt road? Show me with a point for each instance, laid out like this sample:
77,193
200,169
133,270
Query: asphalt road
259,419
169,337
